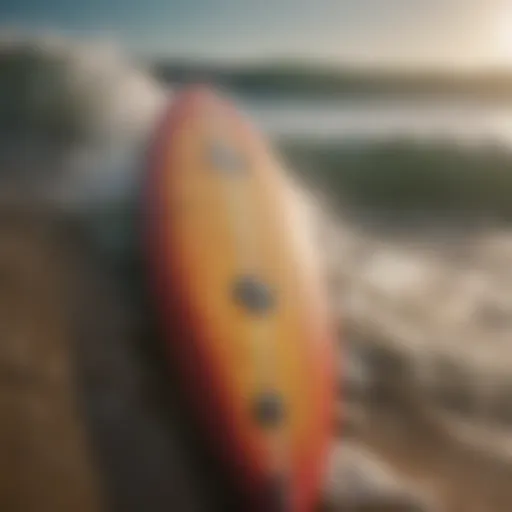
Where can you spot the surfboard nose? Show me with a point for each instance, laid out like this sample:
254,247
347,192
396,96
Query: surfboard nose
198,93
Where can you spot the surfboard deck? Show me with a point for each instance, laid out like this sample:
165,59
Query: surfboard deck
238,289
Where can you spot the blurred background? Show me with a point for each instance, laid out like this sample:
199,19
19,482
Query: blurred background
395,117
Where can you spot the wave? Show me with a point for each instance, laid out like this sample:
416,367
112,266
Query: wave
404,180
73,117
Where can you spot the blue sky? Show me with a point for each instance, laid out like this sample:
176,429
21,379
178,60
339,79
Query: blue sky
397,32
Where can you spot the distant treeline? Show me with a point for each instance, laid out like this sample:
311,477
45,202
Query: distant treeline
314,80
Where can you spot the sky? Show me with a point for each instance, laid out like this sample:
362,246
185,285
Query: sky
403,33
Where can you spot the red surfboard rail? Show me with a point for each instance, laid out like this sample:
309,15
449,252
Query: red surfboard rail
239,293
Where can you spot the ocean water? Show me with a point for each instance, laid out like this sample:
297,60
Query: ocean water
377,118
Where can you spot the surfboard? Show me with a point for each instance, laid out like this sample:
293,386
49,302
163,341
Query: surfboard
243,310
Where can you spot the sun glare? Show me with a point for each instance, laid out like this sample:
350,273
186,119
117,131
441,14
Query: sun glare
503,37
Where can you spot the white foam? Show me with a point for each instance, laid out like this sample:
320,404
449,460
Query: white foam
122,103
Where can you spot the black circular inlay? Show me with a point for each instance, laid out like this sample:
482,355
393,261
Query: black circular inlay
226,158
269,409
253,294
